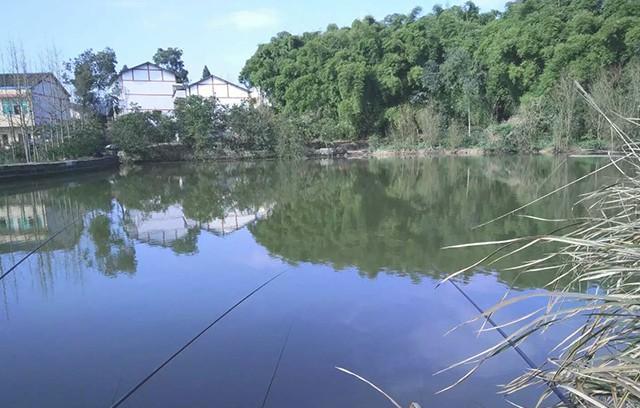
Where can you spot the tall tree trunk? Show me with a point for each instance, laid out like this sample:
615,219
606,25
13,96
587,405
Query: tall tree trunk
469,120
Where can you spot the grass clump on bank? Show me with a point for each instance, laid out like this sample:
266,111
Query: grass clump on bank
596,289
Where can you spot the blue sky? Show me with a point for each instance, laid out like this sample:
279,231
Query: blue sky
221,34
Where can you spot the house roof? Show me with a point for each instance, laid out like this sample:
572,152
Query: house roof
146,63
221,79
28,80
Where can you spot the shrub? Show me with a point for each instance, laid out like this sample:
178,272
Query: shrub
528,127
616,91
290,143
413,126
403,129
456,133
317,126
135,131
429,121
250,127
566,124
199,121
327,129
85,139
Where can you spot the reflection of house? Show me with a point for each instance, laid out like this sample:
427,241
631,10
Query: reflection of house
157,227
29,100
163,228
20,223
28,219
232,221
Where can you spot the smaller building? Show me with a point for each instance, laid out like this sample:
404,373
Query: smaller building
227,93
30,100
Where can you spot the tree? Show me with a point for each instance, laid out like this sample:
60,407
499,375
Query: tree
199,121
473,67
205,72
171,59
461,81
93,76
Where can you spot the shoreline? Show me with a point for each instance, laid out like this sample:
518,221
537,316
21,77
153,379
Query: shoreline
18,171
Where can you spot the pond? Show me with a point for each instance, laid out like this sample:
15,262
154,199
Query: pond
153,254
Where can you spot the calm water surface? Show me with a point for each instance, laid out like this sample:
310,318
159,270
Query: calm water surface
160,251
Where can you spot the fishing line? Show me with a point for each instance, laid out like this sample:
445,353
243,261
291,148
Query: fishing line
190,342
36,249
275,370
514,346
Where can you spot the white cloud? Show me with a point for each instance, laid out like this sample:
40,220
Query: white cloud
244,20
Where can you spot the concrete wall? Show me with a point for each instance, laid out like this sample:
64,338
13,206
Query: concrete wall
29,170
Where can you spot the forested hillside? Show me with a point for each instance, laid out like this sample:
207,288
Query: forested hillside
421,78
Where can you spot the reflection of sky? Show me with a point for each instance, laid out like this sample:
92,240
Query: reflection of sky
106,333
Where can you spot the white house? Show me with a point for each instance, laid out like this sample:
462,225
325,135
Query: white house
29,100
147,87
226,92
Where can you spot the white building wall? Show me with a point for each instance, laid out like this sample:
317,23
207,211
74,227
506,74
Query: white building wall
149,87
227,93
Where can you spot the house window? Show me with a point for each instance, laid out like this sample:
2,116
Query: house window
14,107
4,140
7,107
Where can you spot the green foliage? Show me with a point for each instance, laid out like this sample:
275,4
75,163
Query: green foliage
205,72
290,143
415,125
199,121
92,75
86,139
135,131
456,134
171,59
251,127
473,68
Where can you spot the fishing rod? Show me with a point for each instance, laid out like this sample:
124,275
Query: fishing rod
36,249
277,366
561,396
190,342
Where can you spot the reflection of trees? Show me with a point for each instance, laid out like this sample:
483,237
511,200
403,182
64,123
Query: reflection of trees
380,215
187,244
396,215
41,210
169,205
113,252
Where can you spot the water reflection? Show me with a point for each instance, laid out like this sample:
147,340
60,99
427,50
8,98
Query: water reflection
159,251
390,216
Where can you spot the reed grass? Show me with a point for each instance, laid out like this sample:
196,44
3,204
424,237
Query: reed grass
598,363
